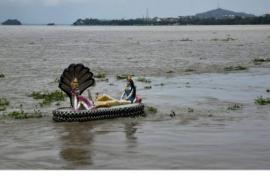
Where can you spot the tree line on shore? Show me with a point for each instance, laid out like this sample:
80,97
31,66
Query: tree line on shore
181,20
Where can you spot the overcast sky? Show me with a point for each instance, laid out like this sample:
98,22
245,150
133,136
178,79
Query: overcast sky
67,11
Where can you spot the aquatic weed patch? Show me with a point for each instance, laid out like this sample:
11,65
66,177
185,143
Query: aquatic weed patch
24,115
262,101
144,80
123,76
235,68
100,75
258,61
48,97
3,104
225,39
151,109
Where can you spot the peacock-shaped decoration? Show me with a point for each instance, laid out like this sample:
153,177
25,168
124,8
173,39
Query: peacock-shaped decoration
81,74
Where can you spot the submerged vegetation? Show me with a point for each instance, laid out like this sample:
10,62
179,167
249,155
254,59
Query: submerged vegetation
48,97
262,101
235,68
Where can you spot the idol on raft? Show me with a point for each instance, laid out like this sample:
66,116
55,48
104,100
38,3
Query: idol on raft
79,102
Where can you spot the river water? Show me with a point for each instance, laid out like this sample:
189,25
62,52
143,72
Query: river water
204,134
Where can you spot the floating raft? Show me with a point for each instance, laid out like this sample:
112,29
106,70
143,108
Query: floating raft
67,114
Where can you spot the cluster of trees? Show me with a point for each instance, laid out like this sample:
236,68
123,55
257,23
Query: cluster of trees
12,22
181,20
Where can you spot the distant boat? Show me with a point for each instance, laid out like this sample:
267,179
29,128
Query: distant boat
51,24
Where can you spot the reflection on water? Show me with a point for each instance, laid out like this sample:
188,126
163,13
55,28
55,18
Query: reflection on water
130,131
76,144
78,140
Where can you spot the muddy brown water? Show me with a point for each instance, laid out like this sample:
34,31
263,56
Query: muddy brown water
204,134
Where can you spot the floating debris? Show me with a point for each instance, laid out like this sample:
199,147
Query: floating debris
161,84
148,87
189,70
2,75
235,107
190,110
185,39
268,90
224,40
170,72
172,114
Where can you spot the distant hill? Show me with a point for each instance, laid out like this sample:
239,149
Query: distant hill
221,14
12,22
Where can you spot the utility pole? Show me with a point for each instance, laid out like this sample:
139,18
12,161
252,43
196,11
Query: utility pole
147,14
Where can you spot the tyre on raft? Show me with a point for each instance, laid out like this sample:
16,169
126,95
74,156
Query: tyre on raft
67,114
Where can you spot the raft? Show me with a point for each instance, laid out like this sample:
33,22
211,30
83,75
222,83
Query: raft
67,114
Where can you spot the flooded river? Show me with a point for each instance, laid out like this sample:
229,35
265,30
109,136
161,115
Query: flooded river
188,61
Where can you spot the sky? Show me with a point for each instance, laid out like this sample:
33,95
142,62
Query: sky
68,11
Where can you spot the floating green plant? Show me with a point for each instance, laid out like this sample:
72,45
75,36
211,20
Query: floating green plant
258,61
235,68
48,97
4,102
262,101
123,76
144,80
3,108
100,75
24,115
151,109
